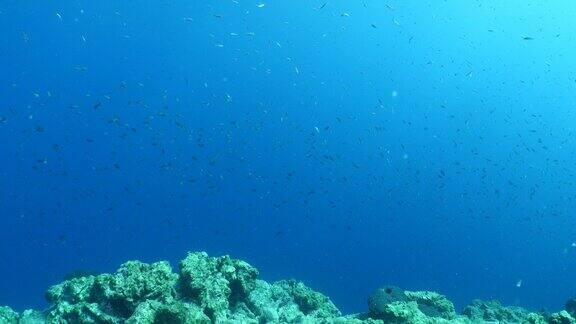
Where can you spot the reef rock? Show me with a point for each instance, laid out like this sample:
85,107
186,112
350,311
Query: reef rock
289,301
562,317
395,305
7,315
154,312
111,298
225,290
493,311
383,296
432,304
216,284
205,290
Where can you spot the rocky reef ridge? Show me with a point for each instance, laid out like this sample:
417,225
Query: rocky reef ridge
225,290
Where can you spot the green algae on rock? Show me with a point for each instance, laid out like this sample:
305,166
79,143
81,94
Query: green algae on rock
309,302
226,290
393,304
493,311
432,304
402,312
7,315
216,284
562,317
205,290
110,298
155,312
289,301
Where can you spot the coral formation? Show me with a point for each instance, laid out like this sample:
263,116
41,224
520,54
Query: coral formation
110,298
395,305
562,317
216,284
432,304
493,311
383,296
7,315
225,290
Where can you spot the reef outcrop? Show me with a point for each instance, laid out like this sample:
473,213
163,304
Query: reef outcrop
225,290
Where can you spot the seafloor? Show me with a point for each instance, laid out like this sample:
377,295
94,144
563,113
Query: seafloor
225,290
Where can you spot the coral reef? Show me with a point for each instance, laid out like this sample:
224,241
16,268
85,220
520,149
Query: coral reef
394,305
382,297
493,311
571,306
224,290
562,317
8,316
110,298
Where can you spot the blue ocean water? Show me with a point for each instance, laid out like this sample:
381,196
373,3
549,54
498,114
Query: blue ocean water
348,144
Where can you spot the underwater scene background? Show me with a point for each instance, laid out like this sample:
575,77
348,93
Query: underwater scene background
350,144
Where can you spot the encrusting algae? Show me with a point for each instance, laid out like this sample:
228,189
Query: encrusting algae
225,290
